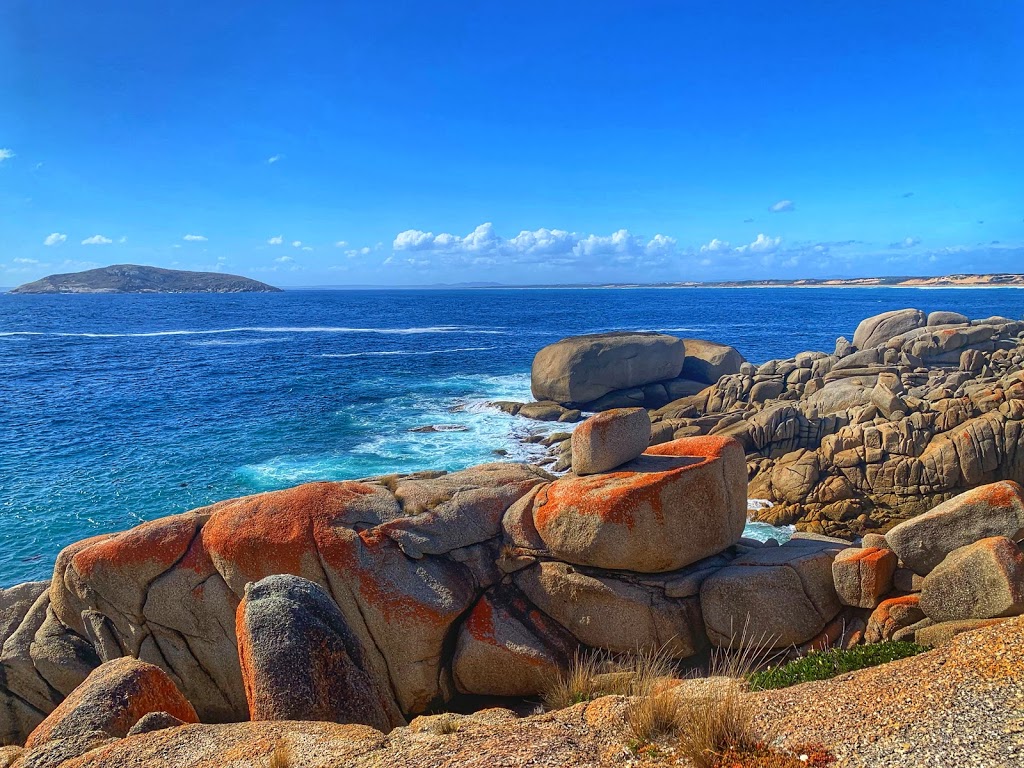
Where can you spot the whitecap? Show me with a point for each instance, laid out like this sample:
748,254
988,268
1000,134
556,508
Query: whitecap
402,352
464,329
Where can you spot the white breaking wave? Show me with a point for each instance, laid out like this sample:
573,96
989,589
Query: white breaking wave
468,329
388,353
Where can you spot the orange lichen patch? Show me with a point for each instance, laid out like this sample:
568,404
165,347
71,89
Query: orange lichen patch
273,532
111,700
868,554
886,607
617,497
480,623
1004,494
159,543
706,446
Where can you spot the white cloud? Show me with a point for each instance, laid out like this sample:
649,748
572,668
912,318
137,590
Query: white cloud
123,239
194,238
783,206
5,154
55,238
25,261
273,159
296,243
546,247
284,259
275,240
97,240
307,248
907,242
341,244
715,246
763,244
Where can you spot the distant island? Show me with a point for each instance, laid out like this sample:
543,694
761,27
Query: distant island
130,278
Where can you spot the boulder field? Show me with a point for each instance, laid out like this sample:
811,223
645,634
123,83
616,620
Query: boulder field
373,602
914,411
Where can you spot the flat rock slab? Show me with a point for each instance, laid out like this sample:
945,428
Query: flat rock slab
676,504
610,439
924,541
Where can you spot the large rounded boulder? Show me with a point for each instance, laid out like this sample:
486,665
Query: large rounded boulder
677,503
877,330
580,369
708,361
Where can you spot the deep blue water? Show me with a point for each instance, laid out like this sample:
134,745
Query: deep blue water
117,409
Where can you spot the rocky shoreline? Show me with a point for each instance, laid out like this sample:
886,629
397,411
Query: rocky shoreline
345,618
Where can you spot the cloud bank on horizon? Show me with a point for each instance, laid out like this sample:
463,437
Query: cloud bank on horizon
596,148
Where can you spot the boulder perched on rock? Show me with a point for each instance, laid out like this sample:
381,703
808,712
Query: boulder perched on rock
609,439
863,576
983,580
879,329
707,361
772,597
111,700
674,505
580,369
299,659
946,318
924,541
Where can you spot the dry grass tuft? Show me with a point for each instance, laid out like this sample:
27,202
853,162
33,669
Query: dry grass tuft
446,725
719,716
282,756
595,674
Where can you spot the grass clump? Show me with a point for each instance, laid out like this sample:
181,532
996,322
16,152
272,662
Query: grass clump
282,756
595,674
445,725
826,664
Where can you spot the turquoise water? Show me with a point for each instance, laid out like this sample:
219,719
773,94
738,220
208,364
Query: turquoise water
118,409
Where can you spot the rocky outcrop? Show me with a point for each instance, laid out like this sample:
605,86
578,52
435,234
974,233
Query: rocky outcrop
863,575
858,440
299,660
708,361
581,369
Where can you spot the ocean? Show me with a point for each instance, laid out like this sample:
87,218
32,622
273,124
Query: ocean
119,409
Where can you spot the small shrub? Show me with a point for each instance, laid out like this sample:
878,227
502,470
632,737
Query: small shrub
654,715
806,756
446,725
836,661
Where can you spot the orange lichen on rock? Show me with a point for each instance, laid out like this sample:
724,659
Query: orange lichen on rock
111,700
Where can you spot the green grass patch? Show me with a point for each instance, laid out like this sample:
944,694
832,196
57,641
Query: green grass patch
835,661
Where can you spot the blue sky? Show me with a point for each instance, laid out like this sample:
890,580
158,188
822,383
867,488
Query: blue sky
415,143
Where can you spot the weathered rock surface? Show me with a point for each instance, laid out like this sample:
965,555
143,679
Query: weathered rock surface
983,580
892,616
581,369
676,504
880,328
609,439
300,661
775,596
111,700
707,361
509,648
996,509
863,576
